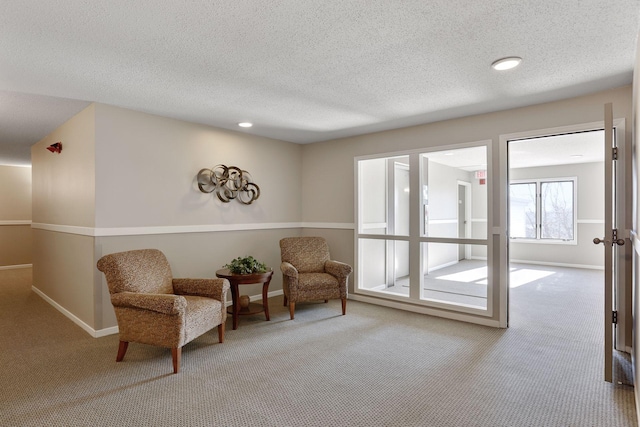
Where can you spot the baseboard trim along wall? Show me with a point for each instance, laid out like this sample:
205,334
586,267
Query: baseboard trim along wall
67,313
259,296
106,331
114,329
558,264
551,264
12,267
177,229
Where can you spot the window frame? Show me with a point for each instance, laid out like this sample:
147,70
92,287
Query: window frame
413,301
539,239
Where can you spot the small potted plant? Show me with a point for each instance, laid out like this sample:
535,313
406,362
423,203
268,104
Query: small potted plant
246,265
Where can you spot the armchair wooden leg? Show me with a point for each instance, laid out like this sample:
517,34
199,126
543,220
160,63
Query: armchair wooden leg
122,349
292,308
344,306
176,354
285,301
326,301
221,332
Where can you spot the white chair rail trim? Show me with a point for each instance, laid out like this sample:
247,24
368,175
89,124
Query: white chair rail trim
177,229
16,222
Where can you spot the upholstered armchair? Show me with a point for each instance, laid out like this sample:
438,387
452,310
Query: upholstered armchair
154,308
309,274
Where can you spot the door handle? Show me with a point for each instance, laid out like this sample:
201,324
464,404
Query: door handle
619,242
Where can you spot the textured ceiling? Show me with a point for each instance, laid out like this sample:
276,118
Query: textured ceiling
301,70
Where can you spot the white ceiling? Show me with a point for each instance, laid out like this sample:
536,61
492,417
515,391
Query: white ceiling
301,70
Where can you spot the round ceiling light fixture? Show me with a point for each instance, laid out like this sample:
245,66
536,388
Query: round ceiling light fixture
506,63
245,124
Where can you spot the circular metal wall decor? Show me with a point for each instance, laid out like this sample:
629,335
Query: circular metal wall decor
229,182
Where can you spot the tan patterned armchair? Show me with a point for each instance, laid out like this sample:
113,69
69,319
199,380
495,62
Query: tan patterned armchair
309,274
154,308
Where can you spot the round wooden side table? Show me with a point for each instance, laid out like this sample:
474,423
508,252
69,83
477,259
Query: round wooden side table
246,279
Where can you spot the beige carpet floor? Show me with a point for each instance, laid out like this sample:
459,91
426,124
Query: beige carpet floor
373,367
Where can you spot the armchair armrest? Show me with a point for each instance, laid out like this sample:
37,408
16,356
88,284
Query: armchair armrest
161,303
211,288
337,269
288,269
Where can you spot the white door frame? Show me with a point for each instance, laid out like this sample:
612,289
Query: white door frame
467,215
623,279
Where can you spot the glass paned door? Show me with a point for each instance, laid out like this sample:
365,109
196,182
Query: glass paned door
422,223
454,249
384,200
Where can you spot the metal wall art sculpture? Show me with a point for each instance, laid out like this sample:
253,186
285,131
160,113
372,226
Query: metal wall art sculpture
229,182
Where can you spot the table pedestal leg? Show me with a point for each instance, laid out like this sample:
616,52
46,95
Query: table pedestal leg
235,301
265,300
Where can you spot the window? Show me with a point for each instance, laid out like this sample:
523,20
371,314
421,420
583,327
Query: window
523,211
543,209
422,228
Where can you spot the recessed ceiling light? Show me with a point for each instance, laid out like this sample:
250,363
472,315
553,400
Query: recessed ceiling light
245,124
506,63
576,156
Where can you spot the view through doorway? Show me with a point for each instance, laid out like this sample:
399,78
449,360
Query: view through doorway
556,206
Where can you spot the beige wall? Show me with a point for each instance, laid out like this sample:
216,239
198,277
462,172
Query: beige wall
15,193
63,196
15,216
154,185
63,272
63,184
142,179
328,167
146,171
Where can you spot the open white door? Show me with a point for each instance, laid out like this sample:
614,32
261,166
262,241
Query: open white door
610,239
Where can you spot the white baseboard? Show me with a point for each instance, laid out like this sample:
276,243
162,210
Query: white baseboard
551,264
258,297
12,267
67,313
114,329
557,264
106,331
441,266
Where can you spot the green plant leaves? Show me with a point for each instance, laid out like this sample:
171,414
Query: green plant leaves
246,265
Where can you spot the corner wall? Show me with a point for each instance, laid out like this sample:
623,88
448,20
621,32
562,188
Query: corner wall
127,180
63,201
